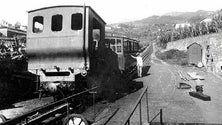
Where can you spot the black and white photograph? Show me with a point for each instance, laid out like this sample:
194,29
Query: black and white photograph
110,62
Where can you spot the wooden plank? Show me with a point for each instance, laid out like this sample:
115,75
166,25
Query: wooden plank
195,76
200,96
105,116
184,86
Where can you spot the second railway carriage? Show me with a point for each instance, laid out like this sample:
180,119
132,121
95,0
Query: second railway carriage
64,42
124,47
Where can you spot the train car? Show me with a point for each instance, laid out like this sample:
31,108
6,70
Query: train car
65,45
124,47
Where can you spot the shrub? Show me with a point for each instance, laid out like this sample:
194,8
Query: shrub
173,56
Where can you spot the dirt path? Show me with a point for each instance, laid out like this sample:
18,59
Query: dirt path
177,105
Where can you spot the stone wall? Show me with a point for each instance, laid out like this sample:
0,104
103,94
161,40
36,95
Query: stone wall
212,49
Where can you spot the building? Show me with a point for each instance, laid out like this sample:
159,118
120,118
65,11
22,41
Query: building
11,32
211,50
194,51
182,25
207,20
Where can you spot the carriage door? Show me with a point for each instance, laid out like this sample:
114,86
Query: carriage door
119,51
94,44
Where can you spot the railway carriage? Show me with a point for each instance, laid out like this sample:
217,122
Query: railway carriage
64,42
124,47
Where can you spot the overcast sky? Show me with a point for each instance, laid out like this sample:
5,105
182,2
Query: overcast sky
112,11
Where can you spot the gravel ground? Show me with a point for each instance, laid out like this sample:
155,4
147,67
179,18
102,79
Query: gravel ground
177,105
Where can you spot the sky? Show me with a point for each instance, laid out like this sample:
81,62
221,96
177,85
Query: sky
112,11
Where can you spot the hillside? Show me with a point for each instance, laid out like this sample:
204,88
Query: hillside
215,39
148,29
175,17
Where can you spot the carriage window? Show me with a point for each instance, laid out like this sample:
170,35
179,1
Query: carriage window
125,45
37,24
76,21
136,46
112,45
130,46
56,24
118,42
113,48
107,43
119,49
96,34
112,41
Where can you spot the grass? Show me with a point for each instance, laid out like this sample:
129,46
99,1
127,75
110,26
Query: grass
173,56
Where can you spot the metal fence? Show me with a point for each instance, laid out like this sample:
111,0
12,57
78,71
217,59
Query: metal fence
160,113
146,54
139,103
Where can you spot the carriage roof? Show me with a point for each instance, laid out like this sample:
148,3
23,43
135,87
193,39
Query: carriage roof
66,6
123,37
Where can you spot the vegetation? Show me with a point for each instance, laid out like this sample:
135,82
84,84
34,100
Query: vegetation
186,32
173,56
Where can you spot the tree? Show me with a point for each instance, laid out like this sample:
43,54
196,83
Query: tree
204,28
213,27
17,25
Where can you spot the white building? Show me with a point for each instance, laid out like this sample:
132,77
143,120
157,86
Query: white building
182,25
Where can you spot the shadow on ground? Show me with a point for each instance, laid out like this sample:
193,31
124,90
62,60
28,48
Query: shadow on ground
133,87
145,71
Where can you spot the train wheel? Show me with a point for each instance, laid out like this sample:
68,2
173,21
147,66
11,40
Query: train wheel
2,118
75,119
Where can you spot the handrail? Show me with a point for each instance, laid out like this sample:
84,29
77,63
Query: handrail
138,102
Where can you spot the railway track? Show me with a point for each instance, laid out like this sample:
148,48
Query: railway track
49,114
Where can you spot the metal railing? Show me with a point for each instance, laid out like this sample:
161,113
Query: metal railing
161,117
139,103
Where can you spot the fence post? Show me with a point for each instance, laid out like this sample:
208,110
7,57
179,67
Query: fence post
147,106
140,113
128,122
161,117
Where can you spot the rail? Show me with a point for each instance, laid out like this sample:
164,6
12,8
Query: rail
44,112
139,102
